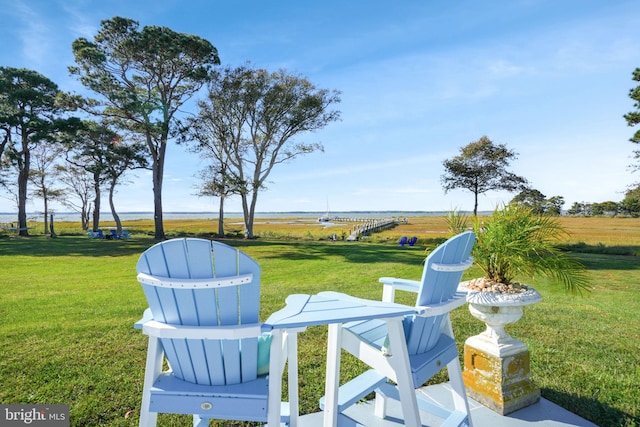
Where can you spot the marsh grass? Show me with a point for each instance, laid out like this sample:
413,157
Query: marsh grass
616,236
68,305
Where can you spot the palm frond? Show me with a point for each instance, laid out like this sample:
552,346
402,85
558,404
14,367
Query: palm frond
517,242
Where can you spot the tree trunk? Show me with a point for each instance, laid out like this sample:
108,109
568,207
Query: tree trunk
46,210
116,218
475,205
51,229
221,218
96,202
249,213
23,179
84,217
157,198
248,220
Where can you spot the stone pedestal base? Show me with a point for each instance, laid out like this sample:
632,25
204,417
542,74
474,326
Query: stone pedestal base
497,376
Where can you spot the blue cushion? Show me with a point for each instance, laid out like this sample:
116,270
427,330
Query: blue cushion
264,349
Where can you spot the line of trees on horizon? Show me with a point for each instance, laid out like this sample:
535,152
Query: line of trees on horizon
483,166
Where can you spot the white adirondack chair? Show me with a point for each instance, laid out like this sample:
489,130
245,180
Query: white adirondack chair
429,347
204,301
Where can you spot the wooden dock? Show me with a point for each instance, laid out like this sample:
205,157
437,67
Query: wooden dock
368,226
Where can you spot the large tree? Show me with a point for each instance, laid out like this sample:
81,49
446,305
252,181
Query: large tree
481,166
144,77
29,116
255,117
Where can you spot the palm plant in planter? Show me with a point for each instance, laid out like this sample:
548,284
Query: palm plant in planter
511,244
514,243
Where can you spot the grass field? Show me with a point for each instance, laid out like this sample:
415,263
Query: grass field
68,306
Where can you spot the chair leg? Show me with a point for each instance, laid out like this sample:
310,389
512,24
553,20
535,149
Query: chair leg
153,369
334,339
380,406
460,401
400,361
292,356
458,391
275,380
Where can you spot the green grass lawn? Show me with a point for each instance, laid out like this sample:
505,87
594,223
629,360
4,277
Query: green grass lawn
67,308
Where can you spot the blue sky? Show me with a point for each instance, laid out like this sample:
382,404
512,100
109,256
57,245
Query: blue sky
419,80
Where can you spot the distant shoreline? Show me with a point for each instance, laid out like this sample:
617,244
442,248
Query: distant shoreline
8,217
236,213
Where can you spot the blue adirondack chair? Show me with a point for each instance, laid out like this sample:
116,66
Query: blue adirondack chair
403,241
204,302
429,347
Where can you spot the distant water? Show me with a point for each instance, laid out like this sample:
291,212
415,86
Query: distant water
8,217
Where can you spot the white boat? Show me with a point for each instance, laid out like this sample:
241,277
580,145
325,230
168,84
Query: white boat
325,217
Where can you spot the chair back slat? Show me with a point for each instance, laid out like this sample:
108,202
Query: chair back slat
215,363
438,285
210,362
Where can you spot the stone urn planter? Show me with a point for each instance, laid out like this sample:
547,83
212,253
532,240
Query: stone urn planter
496,366
514,242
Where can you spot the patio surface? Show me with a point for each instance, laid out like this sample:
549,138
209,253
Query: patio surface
542,414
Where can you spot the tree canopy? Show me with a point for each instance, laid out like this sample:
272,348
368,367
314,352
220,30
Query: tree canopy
539,203
250,122
630,205
144,77
633,117
481,166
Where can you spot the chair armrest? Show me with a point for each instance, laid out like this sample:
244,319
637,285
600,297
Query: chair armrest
295,303
401,284
163,330
391,284
459,299
146,316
